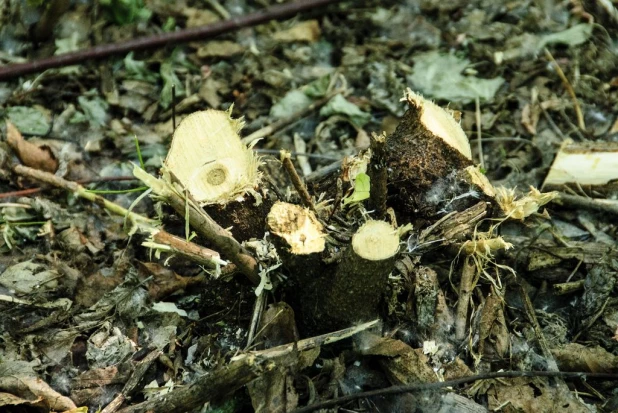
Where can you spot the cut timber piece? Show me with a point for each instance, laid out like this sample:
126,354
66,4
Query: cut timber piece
361,277
298,226
591,166
427,145
208,158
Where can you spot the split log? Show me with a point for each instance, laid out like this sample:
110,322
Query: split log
589,166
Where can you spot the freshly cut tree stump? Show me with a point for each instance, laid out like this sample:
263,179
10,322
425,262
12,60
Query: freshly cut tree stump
300,240
326,294
427,146
220,173
361,276
427,165
298,226
209,159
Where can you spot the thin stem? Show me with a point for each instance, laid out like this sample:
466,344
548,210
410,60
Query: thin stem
479,133
452,383
80,191
294,117
570,91
296,181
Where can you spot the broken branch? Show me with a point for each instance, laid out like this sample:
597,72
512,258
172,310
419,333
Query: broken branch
204,225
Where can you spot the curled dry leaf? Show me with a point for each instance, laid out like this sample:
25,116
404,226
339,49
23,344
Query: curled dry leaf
34,156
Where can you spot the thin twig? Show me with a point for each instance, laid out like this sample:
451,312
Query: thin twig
570,91
32,191
132,385
297,154
258,309
80,191
378,172
591,321
469,277
294,117
162,240
568,287
452,383
219,8
296,181
552,365
479,135
277,12
203,225
593,204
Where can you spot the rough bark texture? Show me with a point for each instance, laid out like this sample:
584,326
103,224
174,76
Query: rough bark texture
416,159
212,386
355,291
244,219
339,295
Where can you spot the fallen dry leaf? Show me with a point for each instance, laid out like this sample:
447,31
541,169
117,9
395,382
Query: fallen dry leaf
35,388
34,156
307,31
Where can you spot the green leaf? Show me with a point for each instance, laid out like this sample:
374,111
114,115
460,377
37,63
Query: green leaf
292,102
137,69
169,79
169,25
126,11
318,87
339,105
28,120
439,75
574,36
362,184
95,110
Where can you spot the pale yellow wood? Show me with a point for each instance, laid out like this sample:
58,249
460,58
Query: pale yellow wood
298,226
209,159
376,241
441,123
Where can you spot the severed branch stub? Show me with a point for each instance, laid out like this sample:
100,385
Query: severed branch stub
331,296
296,181
424,169
203,224
162,240
378,173
428,145
299,227
362,275
328,296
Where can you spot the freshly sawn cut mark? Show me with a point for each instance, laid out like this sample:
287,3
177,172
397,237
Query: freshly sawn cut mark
209,159
298,226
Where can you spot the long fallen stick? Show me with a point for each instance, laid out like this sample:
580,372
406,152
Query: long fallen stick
152,42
